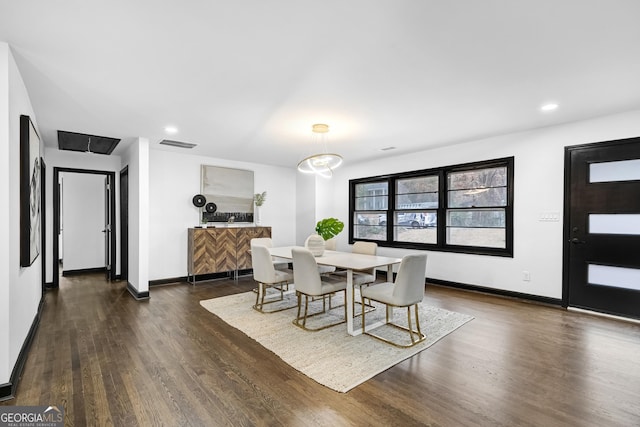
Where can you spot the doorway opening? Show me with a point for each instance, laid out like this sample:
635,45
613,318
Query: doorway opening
107,212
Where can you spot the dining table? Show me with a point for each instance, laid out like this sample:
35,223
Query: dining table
350,262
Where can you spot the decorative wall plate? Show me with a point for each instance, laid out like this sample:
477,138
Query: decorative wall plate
211,207
199,200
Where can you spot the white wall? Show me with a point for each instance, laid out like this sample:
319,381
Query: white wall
137,159
20,288
83,221
75,160
306,203
5,214
539,187
175,179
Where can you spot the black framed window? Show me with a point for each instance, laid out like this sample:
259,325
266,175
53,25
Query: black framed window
369,216
416,209
461,208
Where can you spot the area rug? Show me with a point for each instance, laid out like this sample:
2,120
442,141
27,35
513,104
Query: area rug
331,357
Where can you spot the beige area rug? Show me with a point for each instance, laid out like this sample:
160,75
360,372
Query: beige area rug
331,356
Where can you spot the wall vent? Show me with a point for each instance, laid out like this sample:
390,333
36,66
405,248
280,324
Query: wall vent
177,143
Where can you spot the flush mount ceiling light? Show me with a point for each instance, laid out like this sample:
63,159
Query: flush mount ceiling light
171,130
549,107
321,164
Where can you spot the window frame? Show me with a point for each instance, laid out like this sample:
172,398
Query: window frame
442,209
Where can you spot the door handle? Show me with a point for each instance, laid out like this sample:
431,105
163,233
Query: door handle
577,241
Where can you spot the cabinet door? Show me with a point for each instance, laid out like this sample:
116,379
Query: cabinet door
225,249
203,257
244,244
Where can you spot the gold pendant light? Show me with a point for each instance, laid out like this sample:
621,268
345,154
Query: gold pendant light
321,164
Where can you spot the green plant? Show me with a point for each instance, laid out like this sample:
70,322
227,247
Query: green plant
260,198
329,227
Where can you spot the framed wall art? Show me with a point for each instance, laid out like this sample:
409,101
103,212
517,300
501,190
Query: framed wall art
230,191
29,192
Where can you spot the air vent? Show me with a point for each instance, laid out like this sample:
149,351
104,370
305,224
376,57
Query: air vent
387,148
86,143
177,143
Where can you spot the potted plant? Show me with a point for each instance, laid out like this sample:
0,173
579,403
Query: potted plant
329,227
259,199
326,229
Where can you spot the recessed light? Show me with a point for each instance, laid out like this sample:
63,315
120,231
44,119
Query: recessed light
549,107
171,129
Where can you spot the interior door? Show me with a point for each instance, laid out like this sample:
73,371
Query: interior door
107,226
602,234
124,224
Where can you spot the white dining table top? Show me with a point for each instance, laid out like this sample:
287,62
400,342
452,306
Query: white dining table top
347,260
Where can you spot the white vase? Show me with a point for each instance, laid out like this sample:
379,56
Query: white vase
315,244
256,215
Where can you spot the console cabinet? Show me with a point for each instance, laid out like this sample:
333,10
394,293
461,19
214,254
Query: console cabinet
218,250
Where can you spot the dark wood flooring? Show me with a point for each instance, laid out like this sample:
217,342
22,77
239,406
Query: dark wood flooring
111,360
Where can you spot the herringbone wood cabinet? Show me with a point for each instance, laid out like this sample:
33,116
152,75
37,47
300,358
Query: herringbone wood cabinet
217,250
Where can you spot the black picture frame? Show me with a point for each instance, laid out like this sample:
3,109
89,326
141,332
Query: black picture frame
30,194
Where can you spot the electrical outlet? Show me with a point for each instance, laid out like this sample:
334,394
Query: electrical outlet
526,276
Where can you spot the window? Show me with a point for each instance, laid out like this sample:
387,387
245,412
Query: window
416,209
462,208
476,214
370,213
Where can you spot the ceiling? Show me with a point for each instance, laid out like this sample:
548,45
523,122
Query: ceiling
246,79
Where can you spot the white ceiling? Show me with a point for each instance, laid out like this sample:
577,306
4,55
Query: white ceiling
246,79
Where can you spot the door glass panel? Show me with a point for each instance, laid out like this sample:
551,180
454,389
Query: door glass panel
614,224
617,277
625,170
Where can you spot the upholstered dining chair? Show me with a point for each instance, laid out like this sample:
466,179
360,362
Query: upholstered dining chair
362,278
329,245
266,241
407,291
267,277
309,282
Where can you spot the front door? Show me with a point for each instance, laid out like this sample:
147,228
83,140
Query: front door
602,227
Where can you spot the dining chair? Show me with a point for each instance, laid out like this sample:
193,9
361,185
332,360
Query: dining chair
407,291
365,277
266,241
329,245
267,277
309,282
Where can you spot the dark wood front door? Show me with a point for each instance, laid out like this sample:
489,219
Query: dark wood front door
602,227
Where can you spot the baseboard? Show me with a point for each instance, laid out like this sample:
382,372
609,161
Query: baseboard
493,291
48,285
8,390
83,271
139,296
199,277
168,281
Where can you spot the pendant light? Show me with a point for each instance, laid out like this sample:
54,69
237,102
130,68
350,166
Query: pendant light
321,164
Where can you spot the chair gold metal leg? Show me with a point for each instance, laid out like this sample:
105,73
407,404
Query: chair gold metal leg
409,324
419,335
262,290
299,304
297,320
306,310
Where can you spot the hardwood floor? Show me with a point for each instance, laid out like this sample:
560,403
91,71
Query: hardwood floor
109,359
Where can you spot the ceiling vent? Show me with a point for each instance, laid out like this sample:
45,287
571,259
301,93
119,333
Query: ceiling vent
177,143
85,143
